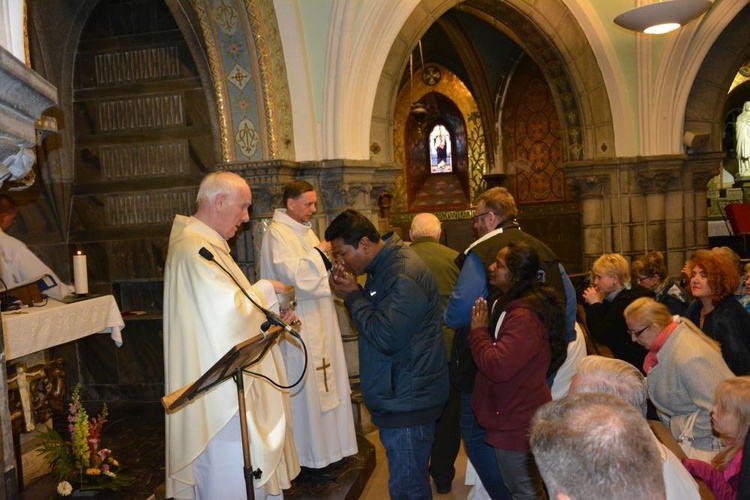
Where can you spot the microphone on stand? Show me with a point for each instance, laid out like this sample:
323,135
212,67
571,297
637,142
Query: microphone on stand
271,317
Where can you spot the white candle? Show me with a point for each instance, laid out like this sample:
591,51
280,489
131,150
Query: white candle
80,273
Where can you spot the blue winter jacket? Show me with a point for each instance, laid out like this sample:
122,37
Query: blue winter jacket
402,362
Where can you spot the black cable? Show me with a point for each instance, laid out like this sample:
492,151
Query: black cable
271,319
302,375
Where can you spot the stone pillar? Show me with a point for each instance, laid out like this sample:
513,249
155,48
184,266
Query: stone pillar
654,182
590,190
644,204
699,170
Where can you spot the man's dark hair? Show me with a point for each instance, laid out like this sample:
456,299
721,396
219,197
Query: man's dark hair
523,265
351,226
294,190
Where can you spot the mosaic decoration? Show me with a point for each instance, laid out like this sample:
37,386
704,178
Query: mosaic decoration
137,65
249,72
741,77
247,138
534,131
142,112
450,86
150,208
145,160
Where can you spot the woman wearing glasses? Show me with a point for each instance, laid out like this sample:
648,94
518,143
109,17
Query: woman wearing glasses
684,367
651,273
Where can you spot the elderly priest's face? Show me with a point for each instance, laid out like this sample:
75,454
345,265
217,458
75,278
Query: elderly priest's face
233,210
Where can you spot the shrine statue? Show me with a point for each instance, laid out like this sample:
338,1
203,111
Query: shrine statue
742,129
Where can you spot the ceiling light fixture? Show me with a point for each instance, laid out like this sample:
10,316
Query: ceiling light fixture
662,17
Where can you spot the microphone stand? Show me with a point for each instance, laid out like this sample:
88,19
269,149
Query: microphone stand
271,319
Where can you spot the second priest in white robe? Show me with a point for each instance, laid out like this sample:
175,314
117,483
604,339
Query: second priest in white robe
321,406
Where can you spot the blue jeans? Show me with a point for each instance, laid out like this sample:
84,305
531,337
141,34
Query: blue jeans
481,454
408,452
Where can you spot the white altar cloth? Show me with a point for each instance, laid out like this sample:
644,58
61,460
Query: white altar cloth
34,329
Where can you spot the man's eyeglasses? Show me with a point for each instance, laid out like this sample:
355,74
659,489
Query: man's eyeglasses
638,333
479,216
639,279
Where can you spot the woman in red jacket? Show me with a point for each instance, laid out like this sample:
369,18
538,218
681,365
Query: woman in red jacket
512,346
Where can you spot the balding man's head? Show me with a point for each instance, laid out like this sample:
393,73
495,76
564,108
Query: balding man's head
425,225
223,202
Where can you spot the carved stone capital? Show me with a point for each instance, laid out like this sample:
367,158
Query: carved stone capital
342,196
656,182
591,186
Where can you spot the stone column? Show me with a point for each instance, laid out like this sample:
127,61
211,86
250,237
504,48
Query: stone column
590,190
654,182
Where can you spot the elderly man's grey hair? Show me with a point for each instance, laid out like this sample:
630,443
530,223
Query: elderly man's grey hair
592,446
217,183
425,224
612,376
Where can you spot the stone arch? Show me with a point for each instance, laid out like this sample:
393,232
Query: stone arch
708,93
449,94
565,56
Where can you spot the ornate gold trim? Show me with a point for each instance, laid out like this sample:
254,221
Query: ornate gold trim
216,67
257,29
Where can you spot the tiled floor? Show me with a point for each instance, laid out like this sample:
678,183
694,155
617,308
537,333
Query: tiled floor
377,486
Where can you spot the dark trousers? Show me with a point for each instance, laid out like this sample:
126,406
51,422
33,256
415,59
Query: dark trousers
447,441
481,455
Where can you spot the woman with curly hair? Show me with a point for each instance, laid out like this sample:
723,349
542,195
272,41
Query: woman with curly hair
715,310
514,346
650,272
730,418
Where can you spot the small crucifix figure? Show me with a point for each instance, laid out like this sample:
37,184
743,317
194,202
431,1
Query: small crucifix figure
325,374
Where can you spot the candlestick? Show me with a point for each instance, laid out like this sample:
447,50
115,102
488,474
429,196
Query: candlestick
80,274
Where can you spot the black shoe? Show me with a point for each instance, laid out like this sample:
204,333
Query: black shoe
443,489
329,473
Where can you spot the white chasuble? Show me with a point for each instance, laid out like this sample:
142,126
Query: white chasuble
321,404
205,314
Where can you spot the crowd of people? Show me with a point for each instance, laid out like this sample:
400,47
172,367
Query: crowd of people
455,346
484,346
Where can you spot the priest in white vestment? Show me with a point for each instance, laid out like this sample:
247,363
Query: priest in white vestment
321,406
18,264
205,314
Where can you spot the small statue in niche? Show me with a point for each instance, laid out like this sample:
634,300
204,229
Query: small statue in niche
742,129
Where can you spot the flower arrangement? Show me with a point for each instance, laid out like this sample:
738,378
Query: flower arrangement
80,463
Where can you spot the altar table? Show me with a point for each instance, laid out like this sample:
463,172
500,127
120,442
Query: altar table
34,329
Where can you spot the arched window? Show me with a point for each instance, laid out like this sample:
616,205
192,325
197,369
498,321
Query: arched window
440,150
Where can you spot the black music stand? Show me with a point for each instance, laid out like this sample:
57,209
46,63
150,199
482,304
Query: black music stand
232,364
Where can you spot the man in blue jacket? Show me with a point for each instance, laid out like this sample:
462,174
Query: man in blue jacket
403,366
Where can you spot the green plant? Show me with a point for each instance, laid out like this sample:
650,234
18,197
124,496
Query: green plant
80,462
